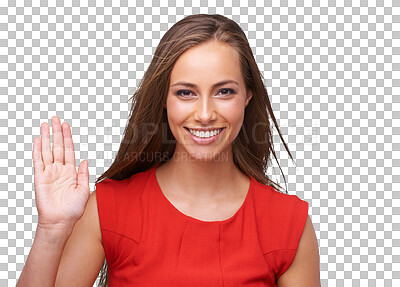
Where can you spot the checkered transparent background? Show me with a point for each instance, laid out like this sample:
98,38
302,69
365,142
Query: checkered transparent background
332,72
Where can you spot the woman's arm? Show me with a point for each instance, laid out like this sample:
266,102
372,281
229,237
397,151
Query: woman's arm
83,254
304,270
59,259
44,257
67,248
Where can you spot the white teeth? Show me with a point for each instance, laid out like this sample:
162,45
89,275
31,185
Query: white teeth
202,134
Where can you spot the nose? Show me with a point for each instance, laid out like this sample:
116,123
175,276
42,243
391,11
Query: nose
205,110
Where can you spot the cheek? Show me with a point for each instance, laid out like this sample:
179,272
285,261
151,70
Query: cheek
175,114
235,116
173,105
237,121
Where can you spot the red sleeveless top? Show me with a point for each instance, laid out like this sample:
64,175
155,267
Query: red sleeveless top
149,242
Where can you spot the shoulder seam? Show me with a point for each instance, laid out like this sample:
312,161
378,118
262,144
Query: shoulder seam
104,229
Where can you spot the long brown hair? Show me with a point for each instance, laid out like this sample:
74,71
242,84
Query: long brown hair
148,140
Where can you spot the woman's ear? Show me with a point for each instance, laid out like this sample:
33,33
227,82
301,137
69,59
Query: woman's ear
249,95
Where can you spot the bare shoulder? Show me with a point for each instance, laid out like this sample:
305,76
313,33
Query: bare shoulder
83,254
304,270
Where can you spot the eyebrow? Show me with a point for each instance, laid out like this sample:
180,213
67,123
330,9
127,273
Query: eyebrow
191,85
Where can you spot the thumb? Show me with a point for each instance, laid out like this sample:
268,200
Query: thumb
83,174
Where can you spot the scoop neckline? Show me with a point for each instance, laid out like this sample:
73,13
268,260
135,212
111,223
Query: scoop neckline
188,217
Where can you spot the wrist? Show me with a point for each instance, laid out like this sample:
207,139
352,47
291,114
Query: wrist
54,233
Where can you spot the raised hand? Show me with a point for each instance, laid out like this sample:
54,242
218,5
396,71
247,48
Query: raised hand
61,192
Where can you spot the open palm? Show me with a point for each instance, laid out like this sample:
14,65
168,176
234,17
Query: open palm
61,192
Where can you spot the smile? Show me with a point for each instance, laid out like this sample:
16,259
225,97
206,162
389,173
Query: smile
204,134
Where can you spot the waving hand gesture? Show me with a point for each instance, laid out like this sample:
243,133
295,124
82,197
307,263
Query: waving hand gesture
61,192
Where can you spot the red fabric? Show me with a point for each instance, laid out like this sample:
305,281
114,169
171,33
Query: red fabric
148,242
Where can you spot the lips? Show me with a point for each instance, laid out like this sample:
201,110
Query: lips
205,140
204,133
204,129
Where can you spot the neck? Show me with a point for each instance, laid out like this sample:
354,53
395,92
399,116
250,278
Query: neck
203,178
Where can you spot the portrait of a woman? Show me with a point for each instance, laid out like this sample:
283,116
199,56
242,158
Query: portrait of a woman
187,201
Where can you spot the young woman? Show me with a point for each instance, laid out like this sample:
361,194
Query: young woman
186,201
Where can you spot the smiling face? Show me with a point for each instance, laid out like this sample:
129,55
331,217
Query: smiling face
206,100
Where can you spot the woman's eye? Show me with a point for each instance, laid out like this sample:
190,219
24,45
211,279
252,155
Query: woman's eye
183,93
187,93
226,92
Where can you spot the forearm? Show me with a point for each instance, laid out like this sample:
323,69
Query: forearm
44,258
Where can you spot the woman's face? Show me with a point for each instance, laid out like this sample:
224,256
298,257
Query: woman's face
206,100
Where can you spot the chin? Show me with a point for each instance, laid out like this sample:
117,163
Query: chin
207,156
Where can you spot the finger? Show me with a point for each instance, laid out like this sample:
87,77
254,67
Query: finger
68,144
83,175
58,142
47,155
37,156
